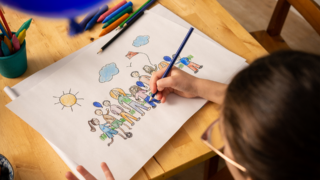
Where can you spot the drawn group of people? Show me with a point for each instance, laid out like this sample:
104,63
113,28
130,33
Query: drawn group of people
134,102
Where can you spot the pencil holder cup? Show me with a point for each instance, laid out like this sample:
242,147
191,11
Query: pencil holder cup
16,64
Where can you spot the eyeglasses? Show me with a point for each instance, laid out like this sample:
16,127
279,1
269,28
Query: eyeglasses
213,138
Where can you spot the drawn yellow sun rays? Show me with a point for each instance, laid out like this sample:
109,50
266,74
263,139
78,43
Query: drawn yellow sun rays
68,100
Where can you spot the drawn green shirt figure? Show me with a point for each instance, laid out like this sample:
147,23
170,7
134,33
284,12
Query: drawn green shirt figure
133,104
124,99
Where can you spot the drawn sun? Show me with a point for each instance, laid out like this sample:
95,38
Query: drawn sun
68,100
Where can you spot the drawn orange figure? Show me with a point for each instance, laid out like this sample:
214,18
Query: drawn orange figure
163,64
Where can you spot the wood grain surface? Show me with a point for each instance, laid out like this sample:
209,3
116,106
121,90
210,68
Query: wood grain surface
48,41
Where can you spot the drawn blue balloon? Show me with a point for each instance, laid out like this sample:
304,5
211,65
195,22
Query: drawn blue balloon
56,8
97,104
140,84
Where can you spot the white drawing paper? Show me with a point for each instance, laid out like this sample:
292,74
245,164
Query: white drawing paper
84,94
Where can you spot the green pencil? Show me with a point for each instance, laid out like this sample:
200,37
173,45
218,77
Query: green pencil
126,10
121,25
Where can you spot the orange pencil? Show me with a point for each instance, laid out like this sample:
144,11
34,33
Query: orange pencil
8,43
114,25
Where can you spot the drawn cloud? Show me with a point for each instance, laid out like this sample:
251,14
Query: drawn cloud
107,72
140,41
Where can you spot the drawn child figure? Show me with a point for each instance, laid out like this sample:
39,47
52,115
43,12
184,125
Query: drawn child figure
105,128
113,121
150,69
187,62
117,110
122,97
143,78
138,93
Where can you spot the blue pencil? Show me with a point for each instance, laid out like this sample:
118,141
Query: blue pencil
3,31
175,58
93,21
142,9
117,11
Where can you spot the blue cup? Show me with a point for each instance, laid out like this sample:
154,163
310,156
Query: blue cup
16,64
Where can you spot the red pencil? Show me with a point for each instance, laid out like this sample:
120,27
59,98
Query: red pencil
6,24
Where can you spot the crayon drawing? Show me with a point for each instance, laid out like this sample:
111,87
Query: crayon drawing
105,128
107,72
140,41
139,58
185,61
143,80
68,100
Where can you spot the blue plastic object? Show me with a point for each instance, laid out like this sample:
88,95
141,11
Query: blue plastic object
56,8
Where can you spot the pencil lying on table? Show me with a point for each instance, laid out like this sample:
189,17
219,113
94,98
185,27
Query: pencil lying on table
122,31
175,58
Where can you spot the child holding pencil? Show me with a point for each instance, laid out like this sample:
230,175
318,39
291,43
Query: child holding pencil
269,121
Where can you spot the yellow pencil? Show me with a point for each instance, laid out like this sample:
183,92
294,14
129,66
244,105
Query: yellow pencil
22,36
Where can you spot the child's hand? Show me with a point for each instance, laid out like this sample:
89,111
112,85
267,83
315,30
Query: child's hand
177,81
89,176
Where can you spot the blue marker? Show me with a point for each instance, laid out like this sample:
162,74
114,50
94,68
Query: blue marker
117,11
175,58
93,21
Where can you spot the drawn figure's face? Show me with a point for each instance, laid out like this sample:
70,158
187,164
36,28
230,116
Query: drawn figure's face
98,112
116,93
106,103
135,74
147,68
96,121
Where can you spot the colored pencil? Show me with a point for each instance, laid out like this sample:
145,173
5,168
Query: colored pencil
3,26
117,11
25,26
127,10
121,32
93,21
137,11
15,43
104,15
8,43
142,9
88,17
22,36
113,25
6,24
175,58
3,31
5,49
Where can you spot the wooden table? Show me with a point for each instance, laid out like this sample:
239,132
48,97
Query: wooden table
47,42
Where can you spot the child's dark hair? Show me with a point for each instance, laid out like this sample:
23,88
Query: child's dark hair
271,117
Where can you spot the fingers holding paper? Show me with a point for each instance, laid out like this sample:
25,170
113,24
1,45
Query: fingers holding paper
70,176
